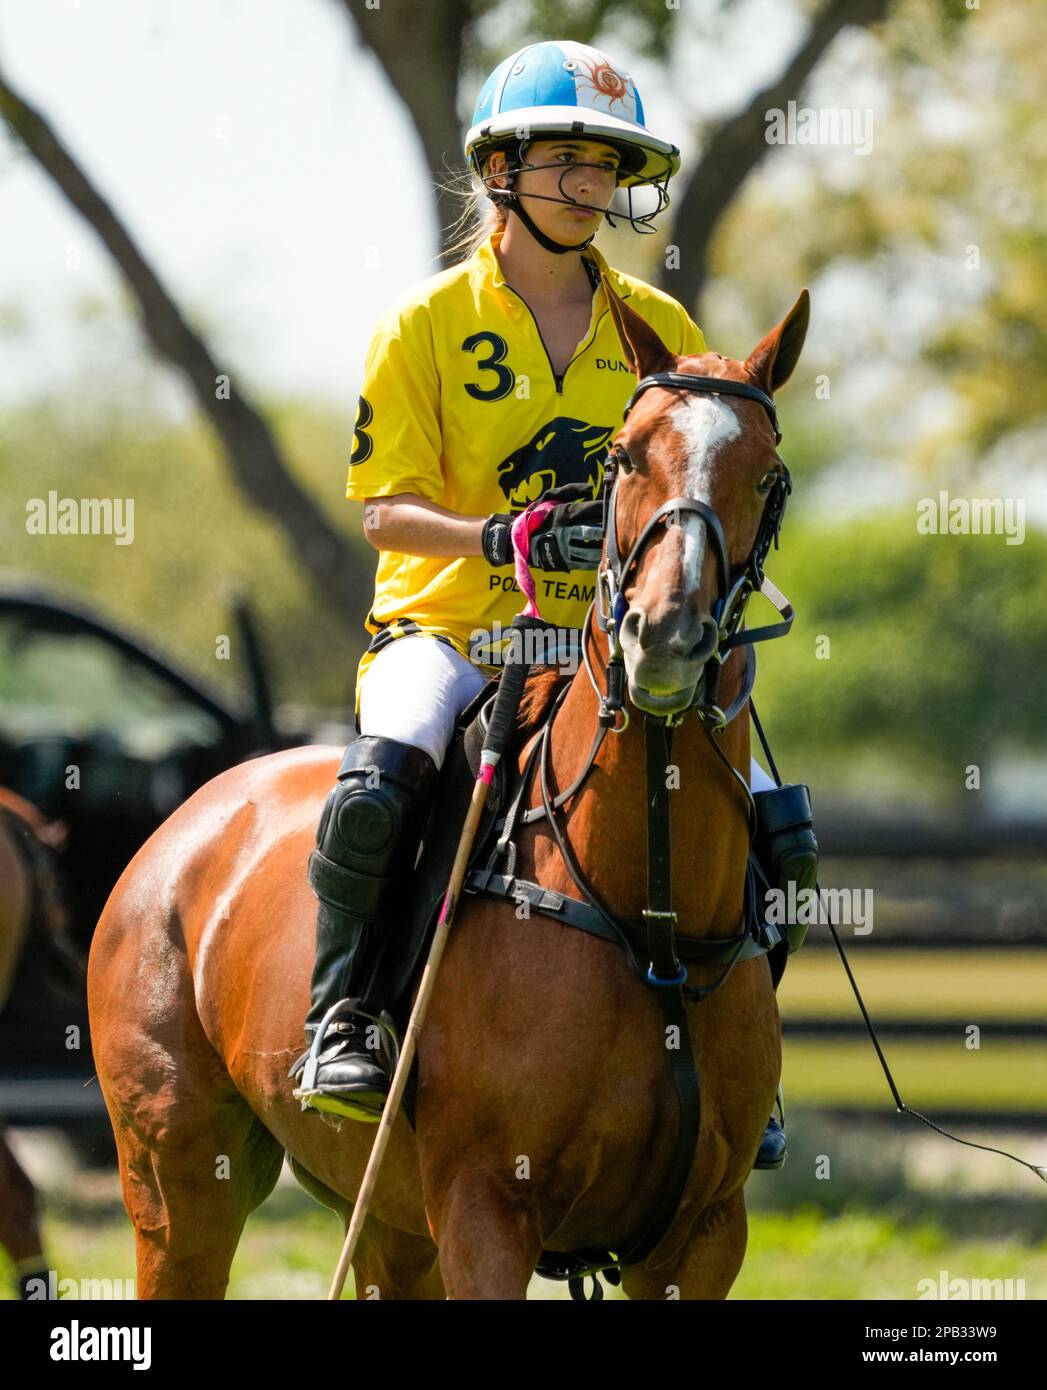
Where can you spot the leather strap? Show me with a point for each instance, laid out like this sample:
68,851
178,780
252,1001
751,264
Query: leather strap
715,385
658,916
573,912
668,975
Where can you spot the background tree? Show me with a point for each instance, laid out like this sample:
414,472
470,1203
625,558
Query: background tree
923,370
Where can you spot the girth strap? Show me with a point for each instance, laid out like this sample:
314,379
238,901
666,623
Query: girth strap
575,913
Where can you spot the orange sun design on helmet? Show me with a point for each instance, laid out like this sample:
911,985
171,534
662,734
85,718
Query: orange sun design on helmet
605,80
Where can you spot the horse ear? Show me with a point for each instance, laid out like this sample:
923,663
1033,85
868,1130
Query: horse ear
773,360
644,350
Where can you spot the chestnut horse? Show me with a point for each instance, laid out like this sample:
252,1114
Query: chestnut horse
33,923
546,1116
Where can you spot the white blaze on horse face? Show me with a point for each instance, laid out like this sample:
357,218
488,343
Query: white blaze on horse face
705,424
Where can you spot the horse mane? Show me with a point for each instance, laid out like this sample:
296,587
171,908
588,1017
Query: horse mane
539,692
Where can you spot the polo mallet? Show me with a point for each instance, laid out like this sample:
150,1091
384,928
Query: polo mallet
499,733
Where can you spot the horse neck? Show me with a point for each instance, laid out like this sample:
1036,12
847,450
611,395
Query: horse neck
608,830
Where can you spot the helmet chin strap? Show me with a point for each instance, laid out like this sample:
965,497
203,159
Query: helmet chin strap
513,204
510,199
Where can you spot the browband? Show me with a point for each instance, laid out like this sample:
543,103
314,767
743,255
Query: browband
688,381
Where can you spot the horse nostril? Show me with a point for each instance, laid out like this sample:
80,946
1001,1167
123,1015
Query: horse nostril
631,626
706,644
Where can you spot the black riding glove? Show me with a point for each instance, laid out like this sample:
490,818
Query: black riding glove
569,537
496,541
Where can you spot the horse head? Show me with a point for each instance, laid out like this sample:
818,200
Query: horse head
691,444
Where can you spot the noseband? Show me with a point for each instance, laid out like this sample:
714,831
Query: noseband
734,589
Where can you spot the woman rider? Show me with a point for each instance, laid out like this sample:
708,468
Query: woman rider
486,387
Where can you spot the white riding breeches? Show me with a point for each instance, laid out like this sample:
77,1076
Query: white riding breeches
414,690
416,687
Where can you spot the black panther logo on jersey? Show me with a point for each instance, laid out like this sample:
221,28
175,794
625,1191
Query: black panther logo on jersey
561,451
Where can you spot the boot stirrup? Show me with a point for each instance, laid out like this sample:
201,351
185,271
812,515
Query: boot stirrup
330,1020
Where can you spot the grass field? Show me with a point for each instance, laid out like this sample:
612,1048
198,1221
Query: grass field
971,985
998,1076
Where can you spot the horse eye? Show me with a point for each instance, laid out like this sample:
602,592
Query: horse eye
622,458
768,480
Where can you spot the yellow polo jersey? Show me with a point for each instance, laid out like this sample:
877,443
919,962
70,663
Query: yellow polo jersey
460,405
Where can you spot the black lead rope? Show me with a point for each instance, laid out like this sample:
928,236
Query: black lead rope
1039,1170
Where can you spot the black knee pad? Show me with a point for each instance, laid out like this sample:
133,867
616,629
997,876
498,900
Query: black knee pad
371,819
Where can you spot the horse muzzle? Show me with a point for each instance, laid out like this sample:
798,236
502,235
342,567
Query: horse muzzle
663,667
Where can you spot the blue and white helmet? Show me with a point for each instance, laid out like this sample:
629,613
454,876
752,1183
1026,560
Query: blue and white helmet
567,88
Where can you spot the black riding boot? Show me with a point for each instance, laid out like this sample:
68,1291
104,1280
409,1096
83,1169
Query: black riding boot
787,851
367,843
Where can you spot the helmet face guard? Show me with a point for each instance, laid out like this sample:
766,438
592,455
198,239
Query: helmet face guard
629,205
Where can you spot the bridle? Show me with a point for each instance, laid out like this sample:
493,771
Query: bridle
610,605
734,589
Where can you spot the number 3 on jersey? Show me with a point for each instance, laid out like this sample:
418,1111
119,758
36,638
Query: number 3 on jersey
504,377
362,441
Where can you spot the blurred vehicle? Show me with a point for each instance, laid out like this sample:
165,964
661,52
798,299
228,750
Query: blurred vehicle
107,736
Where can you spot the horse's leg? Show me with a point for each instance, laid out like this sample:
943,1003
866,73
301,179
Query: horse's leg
194,1159
389,1264
489,1242
191,1175
19,1225
706,1264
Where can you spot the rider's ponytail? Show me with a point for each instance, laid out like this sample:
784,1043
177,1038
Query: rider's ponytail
480,216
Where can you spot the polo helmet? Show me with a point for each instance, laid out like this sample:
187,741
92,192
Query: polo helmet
560,87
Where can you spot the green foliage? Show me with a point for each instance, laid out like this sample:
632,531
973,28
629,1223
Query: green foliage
937,648
196,544
647,27
939,235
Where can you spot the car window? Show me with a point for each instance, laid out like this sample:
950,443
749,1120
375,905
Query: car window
79,685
